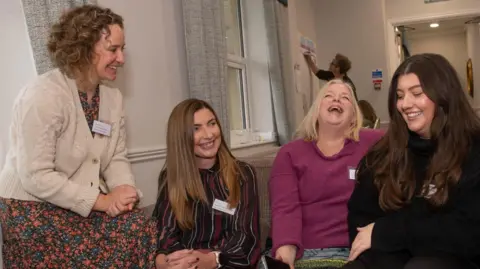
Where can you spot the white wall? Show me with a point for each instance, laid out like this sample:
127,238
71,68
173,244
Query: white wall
16,65
306,24
452,46
359,34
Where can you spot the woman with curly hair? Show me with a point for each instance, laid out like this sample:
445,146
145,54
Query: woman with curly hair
67,192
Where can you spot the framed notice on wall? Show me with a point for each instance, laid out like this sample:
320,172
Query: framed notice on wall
433,1
470,77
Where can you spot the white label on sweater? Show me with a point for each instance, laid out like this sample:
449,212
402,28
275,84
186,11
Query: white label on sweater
101,128
223,207
431,190
352,172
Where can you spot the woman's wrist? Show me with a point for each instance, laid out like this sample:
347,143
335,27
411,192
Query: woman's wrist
214,260
160,261
102,203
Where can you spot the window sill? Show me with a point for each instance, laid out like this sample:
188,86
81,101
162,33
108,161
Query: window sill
245,138
251,144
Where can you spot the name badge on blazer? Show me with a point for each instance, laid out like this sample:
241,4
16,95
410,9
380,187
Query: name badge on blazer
101,128
352,173
223,206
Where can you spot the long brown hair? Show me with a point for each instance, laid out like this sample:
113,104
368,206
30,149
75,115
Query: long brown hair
180,173
452,128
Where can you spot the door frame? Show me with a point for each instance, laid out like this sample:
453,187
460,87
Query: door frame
391,50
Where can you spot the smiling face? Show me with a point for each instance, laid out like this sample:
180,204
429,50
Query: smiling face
414,105
207,136
336,108
108,53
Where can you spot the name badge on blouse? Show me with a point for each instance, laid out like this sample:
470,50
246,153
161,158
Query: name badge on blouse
101,128
431,190
223,207
352,172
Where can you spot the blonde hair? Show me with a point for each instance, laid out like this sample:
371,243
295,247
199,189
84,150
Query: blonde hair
308,128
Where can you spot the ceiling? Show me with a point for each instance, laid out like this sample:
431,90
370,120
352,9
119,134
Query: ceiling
454,25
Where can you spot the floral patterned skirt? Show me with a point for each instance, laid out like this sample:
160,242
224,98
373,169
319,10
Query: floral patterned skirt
42,235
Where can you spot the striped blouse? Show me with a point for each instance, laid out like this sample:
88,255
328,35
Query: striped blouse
235,236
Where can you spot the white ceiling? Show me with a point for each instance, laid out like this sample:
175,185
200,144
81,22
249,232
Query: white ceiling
455,25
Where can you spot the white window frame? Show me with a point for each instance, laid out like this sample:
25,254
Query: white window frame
241,63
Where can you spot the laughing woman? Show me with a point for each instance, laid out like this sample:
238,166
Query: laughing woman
207,209
312,179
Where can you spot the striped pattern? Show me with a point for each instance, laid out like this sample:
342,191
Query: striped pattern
237,236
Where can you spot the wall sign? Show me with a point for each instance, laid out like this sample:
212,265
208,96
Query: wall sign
377,79
433,1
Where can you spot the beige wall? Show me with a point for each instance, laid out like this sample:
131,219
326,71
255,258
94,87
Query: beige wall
452,46
359,30
355,29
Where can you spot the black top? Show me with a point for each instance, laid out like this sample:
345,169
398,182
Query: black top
236,236
328,75
417,229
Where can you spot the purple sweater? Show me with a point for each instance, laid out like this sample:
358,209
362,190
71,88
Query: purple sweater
309,193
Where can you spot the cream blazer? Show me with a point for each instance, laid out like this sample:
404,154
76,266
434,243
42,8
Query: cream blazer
52,155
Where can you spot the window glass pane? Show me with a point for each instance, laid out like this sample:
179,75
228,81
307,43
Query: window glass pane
233,23
236,107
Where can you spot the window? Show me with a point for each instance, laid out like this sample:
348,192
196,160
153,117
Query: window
236,72
248,81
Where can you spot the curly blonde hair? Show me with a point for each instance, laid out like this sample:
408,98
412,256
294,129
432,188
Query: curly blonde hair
72,39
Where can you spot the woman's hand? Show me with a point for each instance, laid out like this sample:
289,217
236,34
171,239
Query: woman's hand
120,200
206,260
287,254
362,242
181,259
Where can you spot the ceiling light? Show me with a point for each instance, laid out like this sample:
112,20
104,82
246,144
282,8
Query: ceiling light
434,25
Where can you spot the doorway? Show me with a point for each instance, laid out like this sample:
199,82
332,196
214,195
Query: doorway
394,55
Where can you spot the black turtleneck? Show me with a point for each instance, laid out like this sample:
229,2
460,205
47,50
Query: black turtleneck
421,151
418,229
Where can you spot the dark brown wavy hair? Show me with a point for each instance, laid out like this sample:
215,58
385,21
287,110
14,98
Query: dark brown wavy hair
343,63
183,181
72,39
452,128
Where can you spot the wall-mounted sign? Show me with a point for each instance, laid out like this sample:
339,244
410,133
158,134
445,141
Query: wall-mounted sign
433,1
377,79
